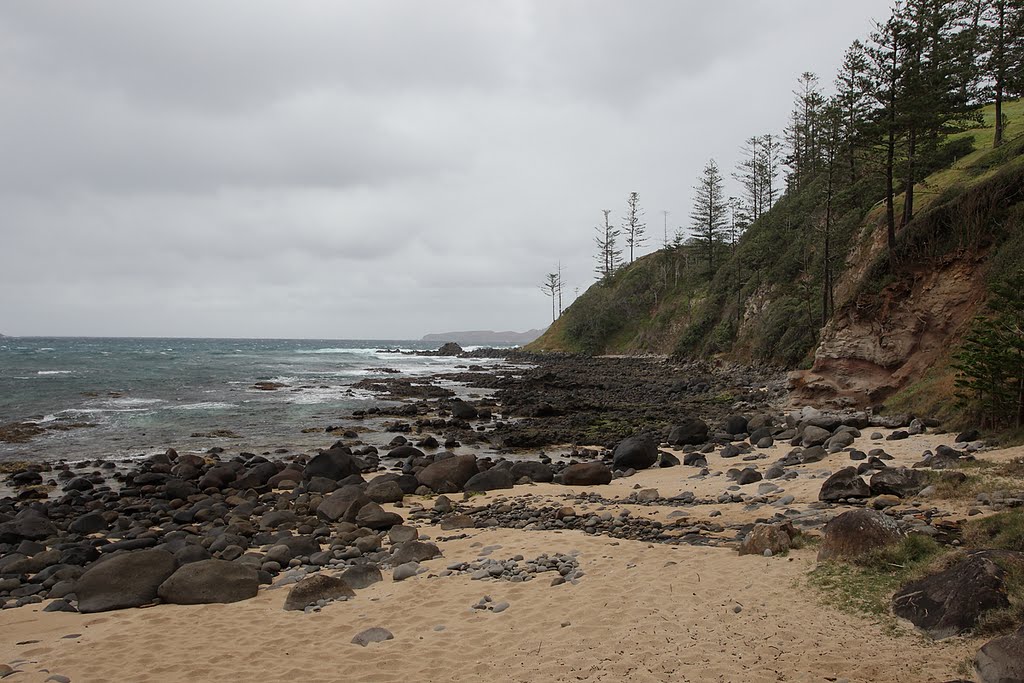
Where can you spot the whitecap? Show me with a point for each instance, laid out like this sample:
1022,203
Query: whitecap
55,372
204,405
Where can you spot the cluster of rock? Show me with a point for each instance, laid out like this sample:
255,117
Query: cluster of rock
517,569
188,529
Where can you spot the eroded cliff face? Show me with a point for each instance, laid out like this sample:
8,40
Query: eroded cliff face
878,343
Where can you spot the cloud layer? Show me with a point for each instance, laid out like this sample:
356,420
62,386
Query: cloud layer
362,169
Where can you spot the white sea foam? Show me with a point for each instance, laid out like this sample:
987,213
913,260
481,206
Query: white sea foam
204,405
335,350
132,402
55,372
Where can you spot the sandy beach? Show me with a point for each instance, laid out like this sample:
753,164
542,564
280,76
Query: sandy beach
641,611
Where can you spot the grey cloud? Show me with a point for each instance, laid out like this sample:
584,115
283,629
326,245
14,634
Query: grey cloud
362,169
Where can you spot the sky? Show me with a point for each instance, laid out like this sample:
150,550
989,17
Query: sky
367,169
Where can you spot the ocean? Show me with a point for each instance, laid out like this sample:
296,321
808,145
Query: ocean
145,395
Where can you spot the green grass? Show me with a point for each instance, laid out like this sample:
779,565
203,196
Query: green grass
1002,531
866,587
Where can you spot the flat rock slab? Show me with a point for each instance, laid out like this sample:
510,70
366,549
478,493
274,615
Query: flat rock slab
372,635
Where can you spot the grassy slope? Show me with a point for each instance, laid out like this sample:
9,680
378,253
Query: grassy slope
765,303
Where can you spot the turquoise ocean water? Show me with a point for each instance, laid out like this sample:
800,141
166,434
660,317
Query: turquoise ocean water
145,395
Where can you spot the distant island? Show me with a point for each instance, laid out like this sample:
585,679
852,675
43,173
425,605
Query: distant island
479,337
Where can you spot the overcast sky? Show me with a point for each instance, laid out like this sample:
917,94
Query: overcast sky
367,169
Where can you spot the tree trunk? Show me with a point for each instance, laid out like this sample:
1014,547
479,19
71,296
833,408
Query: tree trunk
908,192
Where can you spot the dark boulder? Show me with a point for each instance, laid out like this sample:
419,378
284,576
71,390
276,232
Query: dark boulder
735,424
951,602
636,452
814,436
127,580
362,576
666,459
695,459
690,431
532,470
414,551
462,410
490,480
845,483
333,464
386,491
898,481
89,523
855,533
405,451
449,475
27,525
334,506
373,516
210,581
748,475
313,589
450,349
586,474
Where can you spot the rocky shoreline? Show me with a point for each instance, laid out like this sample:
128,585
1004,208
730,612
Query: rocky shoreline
690,458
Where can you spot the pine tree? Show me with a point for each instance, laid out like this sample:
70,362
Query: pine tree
608,253
1001,44
770,155
885,54
710,212
633,227
802,133
853,99
552,287
990,363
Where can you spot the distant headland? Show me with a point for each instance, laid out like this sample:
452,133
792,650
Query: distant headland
478,337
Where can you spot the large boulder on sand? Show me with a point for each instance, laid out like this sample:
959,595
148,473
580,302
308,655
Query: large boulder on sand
448,475
210,581
491,480
586,474
373,516
333,464
636,452
898,481
1002,660
774,537
334,506
735,424
691,431
414,551
384,491
532,470
312,589
951,602
845,483
128,580
854,533
814,436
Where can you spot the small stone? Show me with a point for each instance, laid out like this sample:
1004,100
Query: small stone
737,609
767,552
372,635
57,678
500,607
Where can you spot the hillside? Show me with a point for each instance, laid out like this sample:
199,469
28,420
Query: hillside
887,330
